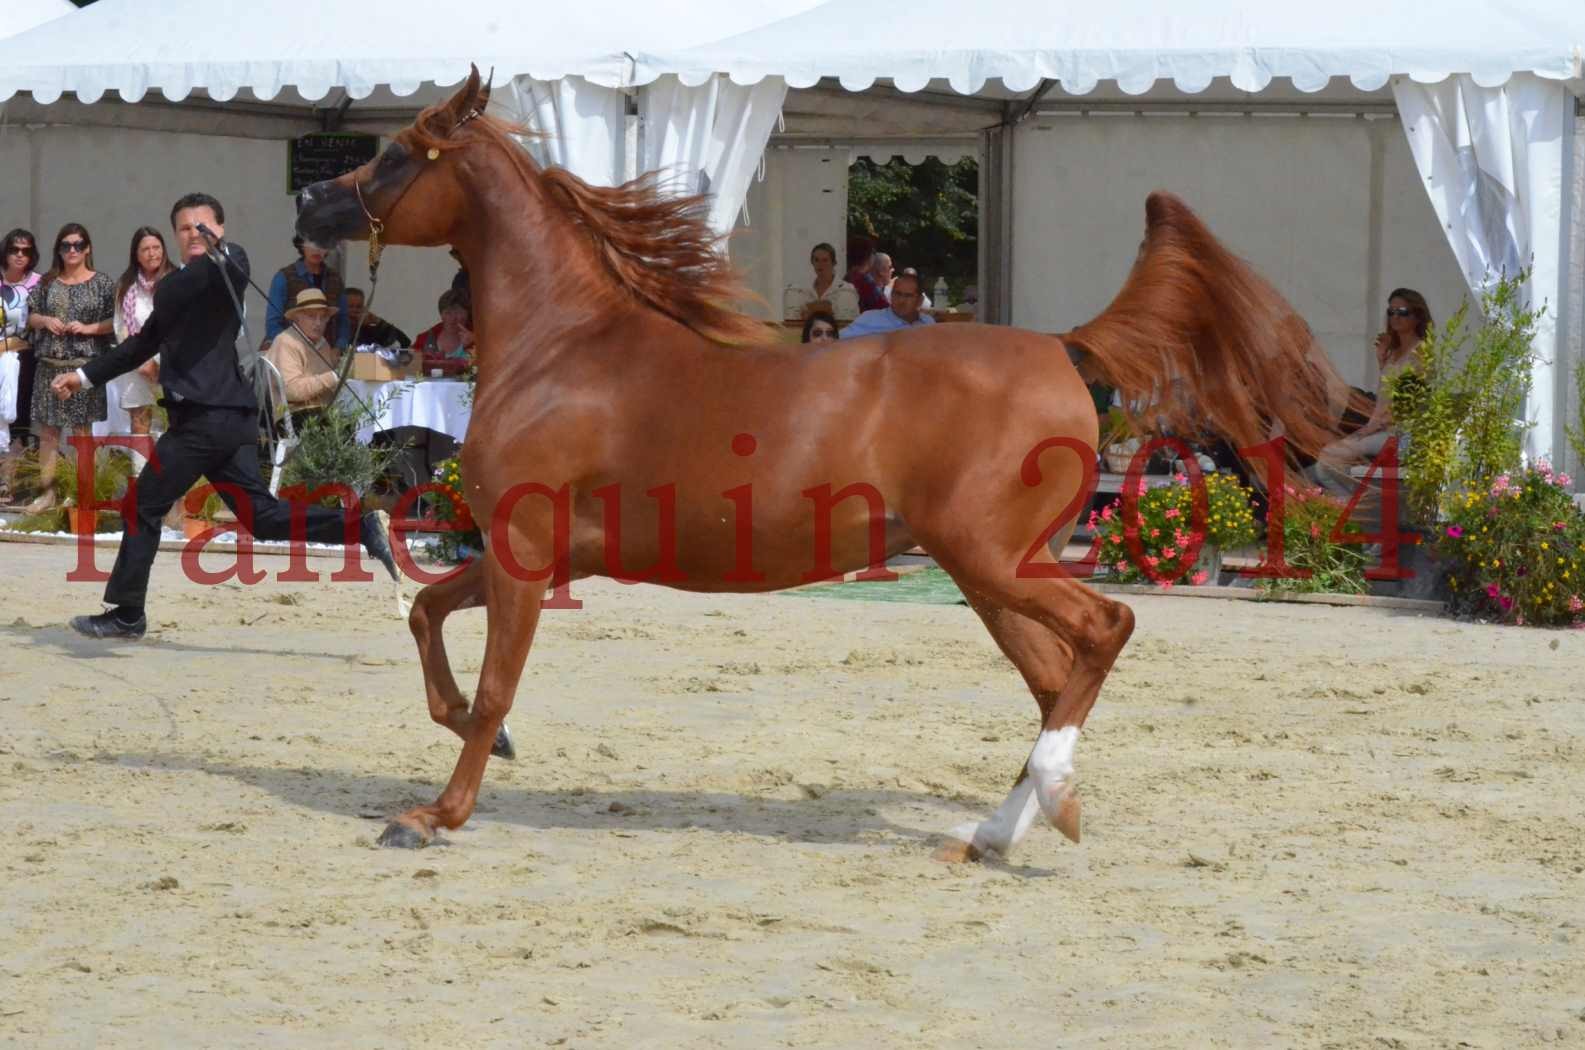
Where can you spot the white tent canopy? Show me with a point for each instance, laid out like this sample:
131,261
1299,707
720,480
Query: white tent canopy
1494,144
22,15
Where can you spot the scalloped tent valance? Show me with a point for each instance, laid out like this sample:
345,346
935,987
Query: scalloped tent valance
262,46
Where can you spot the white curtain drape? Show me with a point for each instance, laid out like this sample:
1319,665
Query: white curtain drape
709,138
1491,159
581,126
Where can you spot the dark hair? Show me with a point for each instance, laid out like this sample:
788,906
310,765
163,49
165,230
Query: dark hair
452,297
56,267
134,268
809,324
198,200
919,284
1422,312
359,292
860,251
20,234
823,246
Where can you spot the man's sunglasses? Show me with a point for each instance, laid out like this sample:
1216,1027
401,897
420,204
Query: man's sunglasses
74,246
1399,311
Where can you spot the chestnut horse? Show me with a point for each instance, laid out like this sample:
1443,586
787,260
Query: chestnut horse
629,423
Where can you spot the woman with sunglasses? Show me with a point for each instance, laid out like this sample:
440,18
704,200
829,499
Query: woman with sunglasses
70,314
1397,348
18,256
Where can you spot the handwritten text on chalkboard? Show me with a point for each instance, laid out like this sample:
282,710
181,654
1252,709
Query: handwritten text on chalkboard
313,158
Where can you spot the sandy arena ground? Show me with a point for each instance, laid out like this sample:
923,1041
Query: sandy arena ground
1305,827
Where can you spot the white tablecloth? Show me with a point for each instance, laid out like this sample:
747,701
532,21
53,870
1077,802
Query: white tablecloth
438,404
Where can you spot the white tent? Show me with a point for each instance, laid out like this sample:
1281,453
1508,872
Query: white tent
22,15
1486,92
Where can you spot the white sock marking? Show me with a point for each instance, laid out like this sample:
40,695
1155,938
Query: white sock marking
1007,825
1051,767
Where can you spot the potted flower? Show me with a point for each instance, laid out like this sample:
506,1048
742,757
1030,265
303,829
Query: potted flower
1160,543
460,543
1516,550
1317,564
201,508
1117,442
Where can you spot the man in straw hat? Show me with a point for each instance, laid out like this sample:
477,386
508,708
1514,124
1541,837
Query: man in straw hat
306,361
213,412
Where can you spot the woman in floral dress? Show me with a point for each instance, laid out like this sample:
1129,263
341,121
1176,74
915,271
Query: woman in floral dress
70,313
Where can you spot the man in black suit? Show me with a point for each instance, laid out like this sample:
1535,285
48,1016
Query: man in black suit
213,416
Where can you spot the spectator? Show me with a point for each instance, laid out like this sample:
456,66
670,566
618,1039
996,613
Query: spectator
861,252
828,294
881,270
902,313
924,299
18,255
448,346
70,313
820,328
1397,350
309,271
134,298
306,360
370,327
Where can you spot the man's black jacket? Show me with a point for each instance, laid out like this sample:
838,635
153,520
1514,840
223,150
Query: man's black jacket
194,330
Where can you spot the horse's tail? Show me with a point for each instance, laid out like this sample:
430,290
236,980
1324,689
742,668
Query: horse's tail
1194,316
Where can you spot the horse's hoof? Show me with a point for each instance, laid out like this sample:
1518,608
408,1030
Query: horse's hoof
956,851
1067,819
400,836
503,744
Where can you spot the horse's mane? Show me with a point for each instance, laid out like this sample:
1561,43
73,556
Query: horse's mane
659,249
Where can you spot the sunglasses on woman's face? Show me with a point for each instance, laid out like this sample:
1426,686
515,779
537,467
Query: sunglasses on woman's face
19,249
1399,311
74,246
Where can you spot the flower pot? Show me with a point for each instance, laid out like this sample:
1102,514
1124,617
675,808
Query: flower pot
193,527
1428,582
1120,455
1210,563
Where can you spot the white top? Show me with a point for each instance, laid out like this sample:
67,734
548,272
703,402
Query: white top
14,304
843,297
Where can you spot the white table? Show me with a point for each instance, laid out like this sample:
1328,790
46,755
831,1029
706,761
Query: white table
441,405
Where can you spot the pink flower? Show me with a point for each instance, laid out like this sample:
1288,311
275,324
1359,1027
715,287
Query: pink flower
1574,604
1455,531
1507,603
1155,534
1559,526
1499,486
1169,553
1563,481
1106,512
1180,478
1315,531
1173,512
1200,577
1152,562
1543,466
1493,591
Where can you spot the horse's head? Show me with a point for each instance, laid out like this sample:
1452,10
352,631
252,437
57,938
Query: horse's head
410,192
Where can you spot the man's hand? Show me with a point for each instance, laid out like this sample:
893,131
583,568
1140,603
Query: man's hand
65,385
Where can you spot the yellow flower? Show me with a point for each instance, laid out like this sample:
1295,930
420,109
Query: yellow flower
1543,545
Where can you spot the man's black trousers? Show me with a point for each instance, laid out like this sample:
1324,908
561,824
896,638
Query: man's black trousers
218,444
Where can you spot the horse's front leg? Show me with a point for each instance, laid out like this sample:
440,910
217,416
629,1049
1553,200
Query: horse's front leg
447,705
512,608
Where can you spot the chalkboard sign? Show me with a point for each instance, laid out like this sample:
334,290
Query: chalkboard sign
314,158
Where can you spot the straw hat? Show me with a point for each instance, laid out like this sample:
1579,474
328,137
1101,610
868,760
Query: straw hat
309,299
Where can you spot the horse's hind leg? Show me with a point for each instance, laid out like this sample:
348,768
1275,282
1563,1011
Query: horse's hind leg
447,705
1063,638
513,607
1045,663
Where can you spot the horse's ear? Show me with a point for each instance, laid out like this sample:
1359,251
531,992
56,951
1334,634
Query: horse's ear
484,92
466,100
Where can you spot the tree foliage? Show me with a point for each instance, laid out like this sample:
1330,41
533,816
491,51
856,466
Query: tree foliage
922,215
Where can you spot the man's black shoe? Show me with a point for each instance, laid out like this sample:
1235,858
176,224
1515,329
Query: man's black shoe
105,625
377,543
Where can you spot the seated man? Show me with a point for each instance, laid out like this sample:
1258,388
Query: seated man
374,329
903,312
449,345
306,361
